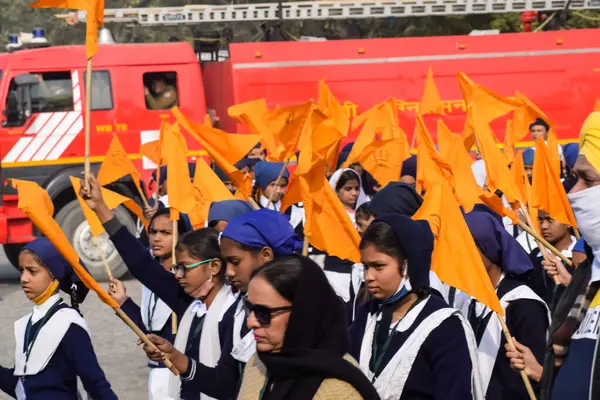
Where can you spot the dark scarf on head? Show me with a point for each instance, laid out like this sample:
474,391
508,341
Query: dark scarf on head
396,198
315,342
415,241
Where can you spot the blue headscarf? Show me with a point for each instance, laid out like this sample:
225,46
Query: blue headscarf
266,172
409,167
227,210
264,228
497,244
528,156
571,152
416,242
61,270
163,173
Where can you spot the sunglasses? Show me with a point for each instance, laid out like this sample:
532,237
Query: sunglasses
263,314
180,268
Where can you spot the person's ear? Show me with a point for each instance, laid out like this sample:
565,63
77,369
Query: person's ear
267,254
215,267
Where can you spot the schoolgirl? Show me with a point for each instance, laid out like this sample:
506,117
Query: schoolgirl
266,185
526,314
409,343
53,344
154,315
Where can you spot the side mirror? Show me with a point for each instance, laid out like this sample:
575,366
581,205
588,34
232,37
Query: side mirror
26,80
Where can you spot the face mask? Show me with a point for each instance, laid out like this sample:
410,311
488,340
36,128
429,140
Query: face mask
403,289
586,210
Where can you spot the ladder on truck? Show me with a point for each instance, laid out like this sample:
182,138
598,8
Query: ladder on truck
324,10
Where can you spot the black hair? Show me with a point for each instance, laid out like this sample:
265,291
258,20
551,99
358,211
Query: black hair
181,225
540,122
283,274
345,177
381,235
73,289
203,244
363,211
255,192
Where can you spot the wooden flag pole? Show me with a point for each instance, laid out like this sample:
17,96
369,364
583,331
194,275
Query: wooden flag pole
121,314
305,246
103,257
253,203
287,161
510,342
88,107
174,259
539,244
142,195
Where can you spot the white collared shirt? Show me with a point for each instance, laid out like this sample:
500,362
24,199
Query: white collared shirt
40,310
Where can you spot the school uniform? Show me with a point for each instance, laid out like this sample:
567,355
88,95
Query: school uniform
195,322
542,284
429,354
53,345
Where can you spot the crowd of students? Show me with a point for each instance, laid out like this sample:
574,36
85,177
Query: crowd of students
242,314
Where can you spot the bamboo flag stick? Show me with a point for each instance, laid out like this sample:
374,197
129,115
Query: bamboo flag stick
287,161
103,257
142,195
253,203
553,249
305,246
121,314
539,244
510,342
88,107
174,259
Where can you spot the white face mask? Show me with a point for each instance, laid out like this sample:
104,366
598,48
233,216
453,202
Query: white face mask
587,213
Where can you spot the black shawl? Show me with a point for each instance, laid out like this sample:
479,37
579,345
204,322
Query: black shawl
315,342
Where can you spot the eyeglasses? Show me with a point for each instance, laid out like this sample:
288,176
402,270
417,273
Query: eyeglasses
263,314
180,268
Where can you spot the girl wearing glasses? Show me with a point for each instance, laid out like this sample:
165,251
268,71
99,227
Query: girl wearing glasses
409,343
248,242
301,337
154,315
53,342
196,292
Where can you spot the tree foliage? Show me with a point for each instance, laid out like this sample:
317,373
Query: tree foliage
19,17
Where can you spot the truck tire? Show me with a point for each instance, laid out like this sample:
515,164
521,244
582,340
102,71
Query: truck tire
12,253
73,223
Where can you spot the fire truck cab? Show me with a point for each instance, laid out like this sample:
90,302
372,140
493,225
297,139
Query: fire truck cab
42,97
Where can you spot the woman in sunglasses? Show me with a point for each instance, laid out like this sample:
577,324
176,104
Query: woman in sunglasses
154,315
248,242
409,343
196,292
301,337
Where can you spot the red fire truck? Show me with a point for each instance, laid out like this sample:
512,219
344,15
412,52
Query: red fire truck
41,93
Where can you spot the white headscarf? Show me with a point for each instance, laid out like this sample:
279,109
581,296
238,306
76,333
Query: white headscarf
333,181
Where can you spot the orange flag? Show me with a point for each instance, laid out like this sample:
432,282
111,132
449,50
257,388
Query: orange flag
553,154
332,108
455,259
380,122
117,164
452,150
548,192
37,205
179,183
509,146
224,148
94,18
255,115
431,102
208,188
380,158
112,200
517,170
152,151
289,123
431,167
498,175
524,116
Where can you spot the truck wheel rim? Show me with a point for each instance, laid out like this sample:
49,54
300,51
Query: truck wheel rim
85,246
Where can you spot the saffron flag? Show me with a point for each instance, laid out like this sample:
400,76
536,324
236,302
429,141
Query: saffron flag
548,192
524,116
431,102
117,164
37,205
431,167
179,183
332,108
455,259
208,188
94,18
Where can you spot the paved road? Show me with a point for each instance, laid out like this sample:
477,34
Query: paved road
122,361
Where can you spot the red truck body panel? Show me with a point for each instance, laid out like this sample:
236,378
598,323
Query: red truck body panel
559,71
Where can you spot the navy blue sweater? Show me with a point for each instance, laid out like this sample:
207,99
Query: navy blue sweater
73,357
163,284
442,369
